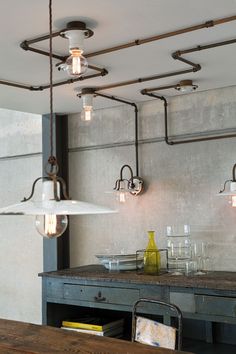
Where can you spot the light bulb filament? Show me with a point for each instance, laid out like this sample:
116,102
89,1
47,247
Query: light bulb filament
87,113
76,65
122,197
233,201
50,226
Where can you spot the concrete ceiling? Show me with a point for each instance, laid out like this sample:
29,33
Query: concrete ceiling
113,22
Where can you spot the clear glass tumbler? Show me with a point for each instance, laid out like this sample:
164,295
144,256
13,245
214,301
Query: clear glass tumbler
179,247
200,254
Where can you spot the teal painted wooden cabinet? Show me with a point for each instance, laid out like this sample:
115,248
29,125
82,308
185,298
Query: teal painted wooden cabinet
67,293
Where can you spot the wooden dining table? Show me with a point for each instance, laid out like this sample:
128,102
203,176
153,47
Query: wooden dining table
20,337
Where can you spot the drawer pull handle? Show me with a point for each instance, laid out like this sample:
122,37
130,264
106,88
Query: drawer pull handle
99,297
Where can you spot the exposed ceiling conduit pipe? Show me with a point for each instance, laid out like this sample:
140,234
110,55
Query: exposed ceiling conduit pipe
186,141
102,72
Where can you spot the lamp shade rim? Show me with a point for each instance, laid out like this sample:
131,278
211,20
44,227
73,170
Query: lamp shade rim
224,194
62,207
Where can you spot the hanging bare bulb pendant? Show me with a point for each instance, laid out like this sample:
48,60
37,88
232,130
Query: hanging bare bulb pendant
51,211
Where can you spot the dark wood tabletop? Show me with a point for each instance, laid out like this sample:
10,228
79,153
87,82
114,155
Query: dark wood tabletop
19,337
211,280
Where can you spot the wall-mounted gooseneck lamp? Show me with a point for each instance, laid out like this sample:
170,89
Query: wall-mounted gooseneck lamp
123,187
76,64
51,211
231,193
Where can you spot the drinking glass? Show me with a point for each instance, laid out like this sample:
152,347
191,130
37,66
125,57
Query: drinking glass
175,256
177,230
114,265
200,255
178,245
190,267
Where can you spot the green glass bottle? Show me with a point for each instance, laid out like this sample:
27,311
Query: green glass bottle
152,258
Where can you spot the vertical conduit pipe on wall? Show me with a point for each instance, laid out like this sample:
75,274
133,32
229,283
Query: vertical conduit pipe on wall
186,141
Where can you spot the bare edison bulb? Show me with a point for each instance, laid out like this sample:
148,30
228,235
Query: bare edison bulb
232,201
51,225
87,114
77,65
122,194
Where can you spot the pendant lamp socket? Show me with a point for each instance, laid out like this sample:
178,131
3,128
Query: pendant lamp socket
186,86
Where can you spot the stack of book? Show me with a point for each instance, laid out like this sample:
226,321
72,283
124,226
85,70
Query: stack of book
96,325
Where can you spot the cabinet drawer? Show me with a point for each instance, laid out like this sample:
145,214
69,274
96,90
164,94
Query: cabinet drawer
216,305
185,301
101,294
54,289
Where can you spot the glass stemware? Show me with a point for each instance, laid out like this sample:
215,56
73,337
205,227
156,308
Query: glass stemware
200,256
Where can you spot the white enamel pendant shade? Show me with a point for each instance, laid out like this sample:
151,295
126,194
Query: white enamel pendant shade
48,205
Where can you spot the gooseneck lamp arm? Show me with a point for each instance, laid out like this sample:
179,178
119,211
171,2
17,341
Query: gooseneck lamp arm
234,173
230,180
130,181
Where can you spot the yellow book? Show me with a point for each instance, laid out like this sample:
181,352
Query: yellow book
113,332
93,323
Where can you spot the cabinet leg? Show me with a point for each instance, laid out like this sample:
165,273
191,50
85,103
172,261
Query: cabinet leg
209,331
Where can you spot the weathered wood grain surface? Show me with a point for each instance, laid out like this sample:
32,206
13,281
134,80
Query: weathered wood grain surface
211,280
18,337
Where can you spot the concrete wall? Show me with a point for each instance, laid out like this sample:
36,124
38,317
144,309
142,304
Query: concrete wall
181,181
21,255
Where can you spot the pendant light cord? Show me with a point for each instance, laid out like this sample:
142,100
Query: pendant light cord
51,158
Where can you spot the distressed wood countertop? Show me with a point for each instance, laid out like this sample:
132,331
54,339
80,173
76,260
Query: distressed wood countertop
19,337
211,280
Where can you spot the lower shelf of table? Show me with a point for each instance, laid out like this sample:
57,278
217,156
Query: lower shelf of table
201,347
